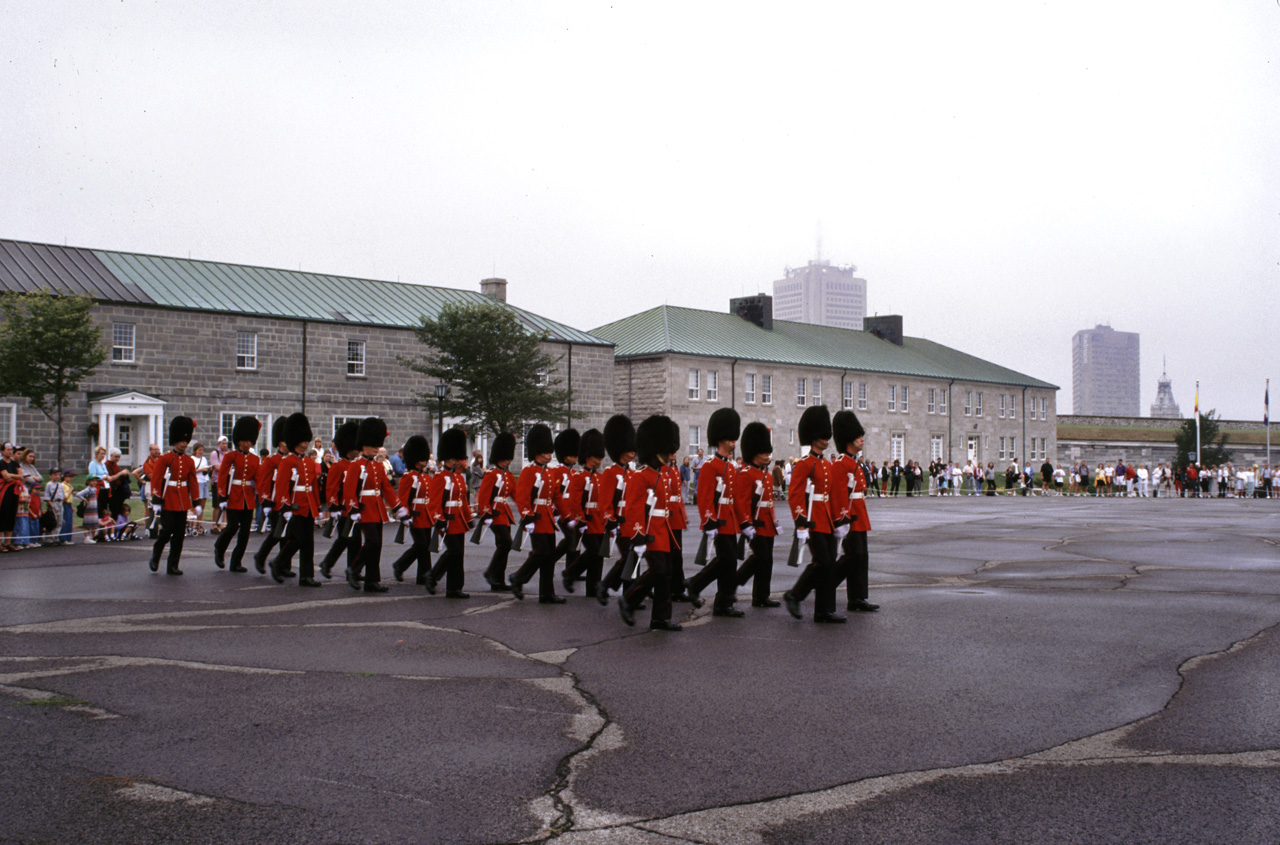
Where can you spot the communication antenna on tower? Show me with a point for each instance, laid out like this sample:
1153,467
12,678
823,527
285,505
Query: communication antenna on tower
818,257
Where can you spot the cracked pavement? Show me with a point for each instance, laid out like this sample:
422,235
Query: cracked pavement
1058,670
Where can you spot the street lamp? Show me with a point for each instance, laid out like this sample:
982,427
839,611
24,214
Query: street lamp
442,390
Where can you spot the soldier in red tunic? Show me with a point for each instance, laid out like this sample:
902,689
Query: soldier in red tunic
645,510
566,449
716,482
850,505
450,504
265,484
344,440
235,489
584,496
677,522
534,498
174,488
369,498
809,498
494,503
620,443
753,504
413,498
296,501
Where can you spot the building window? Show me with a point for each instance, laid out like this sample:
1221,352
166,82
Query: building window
817,391
8,422
246,350
1044,408
904,399
893,398
968,403
862,396
977,407
355,358
766,390
122,343
792,440
1001,411
1013,407
1013,448
848,396
227,425
695,390
542,377
749,388
942,401
933,397
1044,449
338,422
935,447
695,438
713,385
898,447
801,391
1002,448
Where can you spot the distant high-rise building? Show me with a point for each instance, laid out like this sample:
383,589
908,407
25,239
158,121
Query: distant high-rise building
1105,373
1164,407
823,294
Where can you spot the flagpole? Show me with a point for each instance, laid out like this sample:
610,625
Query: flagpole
1197,423
1266,423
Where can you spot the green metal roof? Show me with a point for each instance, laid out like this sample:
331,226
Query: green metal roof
689,331
241,289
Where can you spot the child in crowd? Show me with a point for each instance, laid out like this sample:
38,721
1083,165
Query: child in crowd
89,495
126,528
106,528
55,495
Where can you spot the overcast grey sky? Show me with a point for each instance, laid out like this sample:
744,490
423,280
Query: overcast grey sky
1002,174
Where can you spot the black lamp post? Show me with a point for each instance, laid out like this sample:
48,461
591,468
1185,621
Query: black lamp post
442,390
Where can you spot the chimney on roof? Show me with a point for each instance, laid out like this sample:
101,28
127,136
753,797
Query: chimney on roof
496,288
756,309
888,327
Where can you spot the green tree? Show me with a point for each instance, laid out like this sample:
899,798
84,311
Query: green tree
1213,442
498,374
48,345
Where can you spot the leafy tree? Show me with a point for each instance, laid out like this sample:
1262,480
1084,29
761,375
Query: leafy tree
48,345
1213,442
498,374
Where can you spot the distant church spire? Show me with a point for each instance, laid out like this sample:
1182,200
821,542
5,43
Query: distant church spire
1165,407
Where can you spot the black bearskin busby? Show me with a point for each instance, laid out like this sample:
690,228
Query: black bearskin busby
657,435
246,428
344,440
591,445
373,432
453,445
297,429
503,448
619,437
277,432
755,441
845,429
538,442
815,424
181,430
567,444
725,424
416,451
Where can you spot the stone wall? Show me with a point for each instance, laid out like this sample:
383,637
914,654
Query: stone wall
1150,440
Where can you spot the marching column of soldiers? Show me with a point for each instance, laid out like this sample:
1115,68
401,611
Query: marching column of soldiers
639,512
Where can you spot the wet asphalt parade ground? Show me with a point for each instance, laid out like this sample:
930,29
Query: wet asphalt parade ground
1041,670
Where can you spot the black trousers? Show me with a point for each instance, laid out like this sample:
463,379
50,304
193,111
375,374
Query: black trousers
758,565
343,540
590,562
299,539
541,559
239,523
260,556
613,580
676,558
655,579
567,548
369,556
819,576
173,530
852,566
420,551
449,564
497,570
723,568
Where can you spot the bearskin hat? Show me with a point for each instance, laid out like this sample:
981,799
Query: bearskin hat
246,428
181,430
277,432
725,424
591,445
453,445
538,441
373,432
755,441
567,444
344,439
416,450
846,429
815,424
673,437
653,437
503,448
297,429
619,437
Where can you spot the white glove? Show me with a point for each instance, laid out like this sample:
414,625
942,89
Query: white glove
355,517
749,532
266,508
288,515
199,511
712,533
488,522
573,523
528,529
402,513
639,550
223,504
841,532
803,534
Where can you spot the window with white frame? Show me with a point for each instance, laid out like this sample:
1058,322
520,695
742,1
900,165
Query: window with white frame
933,397
1013,407
935,447
695,438
977,406
968,403
713,385
898,447
766,390
122,348
792,440
817,391
1044,449
695,385
8,422
1013,448
1001,406
893,398
802,391
905,409
749,388
246,350
942,401
862,396
1002,448
355,358
848,396
1044,408
542,377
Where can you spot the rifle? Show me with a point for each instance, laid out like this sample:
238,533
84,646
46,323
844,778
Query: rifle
797,550
364,471
277,530
755,516
700,559
417,479
531,518
616,499
491,512
632,564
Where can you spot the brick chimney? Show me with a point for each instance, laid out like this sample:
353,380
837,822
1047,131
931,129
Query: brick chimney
496,288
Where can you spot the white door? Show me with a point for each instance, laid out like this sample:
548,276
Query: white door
124,438
973,447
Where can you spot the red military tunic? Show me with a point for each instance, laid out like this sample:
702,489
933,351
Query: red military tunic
640,518
413,498
447,497
818,469
236,478
564,507
584,502
716,483
265,481
296,486
613,482
496,489
849,493
677,519
174,481
368,492
333,483
533,500
755,483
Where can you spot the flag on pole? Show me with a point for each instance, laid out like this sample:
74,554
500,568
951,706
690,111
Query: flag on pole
1197,410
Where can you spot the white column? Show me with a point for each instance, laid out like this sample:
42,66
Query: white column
102,430
110,437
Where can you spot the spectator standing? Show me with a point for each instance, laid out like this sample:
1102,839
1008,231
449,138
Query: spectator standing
215,463
89,495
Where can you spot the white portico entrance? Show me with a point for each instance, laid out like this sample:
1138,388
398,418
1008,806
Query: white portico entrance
129,421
